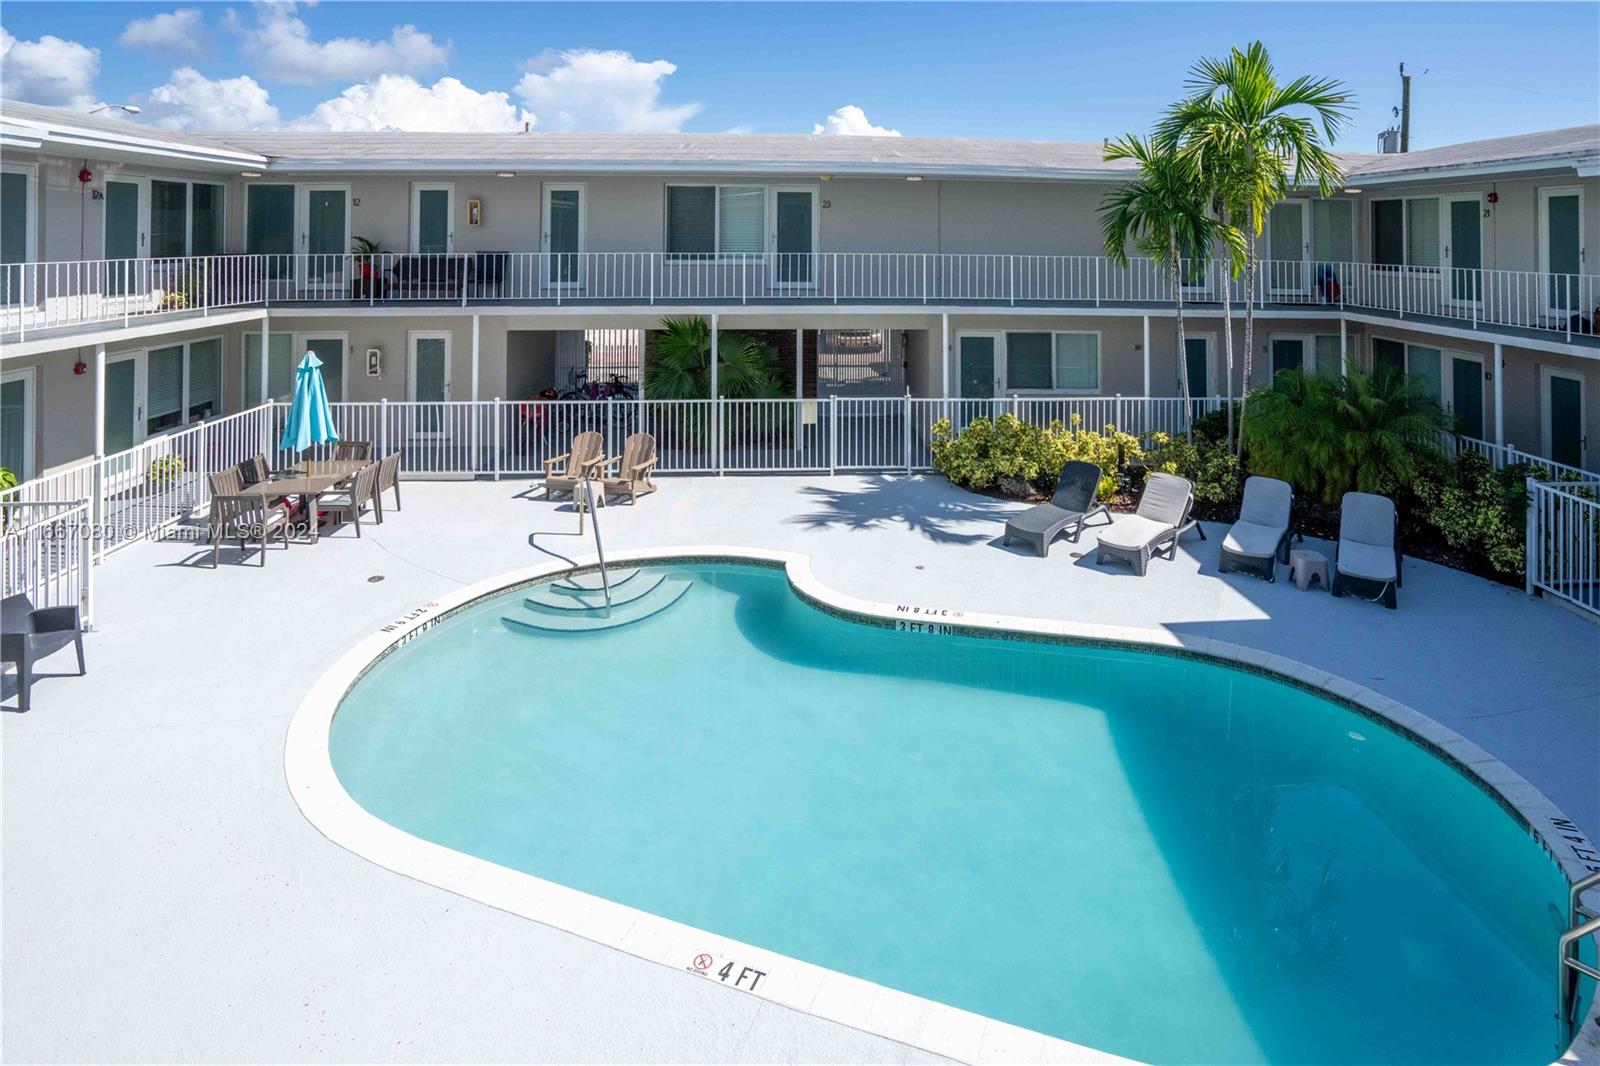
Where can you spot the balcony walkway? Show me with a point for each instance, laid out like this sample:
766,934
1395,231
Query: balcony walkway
149,796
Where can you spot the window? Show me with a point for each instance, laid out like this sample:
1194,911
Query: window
16,423
1332,231
1388,353
720,219
205,220
1426,363
205,378
1406,232
163,405
185,218
280,368
1330,357
1053,361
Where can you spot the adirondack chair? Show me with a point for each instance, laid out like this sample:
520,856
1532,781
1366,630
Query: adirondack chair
587,452
637,464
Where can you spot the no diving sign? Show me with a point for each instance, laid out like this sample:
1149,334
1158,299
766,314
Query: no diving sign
727,971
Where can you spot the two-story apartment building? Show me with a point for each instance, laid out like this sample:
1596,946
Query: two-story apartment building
152,279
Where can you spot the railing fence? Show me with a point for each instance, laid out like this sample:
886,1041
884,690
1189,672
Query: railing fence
46,554
1563,547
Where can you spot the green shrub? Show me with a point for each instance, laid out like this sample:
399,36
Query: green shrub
1209,463
1213,425
1005,450
1477,510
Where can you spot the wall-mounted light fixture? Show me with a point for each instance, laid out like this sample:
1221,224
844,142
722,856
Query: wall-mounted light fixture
913,177
505,173
249,173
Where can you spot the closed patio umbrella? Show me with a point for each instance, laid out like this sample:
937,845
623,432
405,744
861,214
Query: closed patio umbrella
310,418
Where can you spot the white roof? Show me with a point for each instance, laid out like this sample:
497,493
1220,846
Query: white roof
55,129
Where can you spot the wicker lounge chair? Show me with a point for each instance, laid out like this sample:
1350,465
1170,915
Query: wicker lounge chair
1162,517
352,450
356,496
388,478
1368,556
1069,510
1259,541
635,467
29,633
588,451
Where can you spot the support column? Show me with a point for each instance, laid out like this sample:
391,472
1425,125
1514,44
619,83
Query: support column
1499,397
799,388
472,412
474,396
265,319
1344,349
1147,357
944,353
97,514
716,400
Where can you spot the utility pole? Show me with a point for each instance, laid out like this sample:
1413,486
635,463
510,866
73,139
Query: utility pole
1405,109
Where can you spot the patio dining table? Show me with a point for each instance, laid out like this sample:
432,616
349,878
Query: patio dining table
308,481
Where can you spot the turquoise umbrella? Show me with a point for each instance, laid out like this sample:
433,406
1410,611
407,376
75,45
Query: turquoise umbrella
310,418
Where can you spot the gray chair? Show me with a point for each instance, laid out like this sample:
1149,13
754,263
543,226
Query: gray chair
1070,508
247,517
1163,515
1368,557
29,633
352,450
388,478
354,498
1259,540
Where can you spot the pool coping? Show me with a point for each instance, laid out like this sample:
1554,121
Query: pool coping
889,1013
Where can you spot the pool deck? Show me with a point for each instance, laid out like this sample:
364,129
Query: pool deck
164,898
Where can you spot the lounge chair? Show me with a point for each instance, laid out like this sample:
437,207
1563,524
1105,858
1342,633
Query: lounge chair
1070,508
247,517
29,633
635,466
355,497
1259,540
588,451
1368,555
388,478
352,450
1162,517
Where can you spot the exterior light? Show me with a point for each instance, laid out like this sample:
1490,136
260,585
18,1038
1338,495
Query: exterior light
132,109
913,177
1352,192
249,173
824,177
505,173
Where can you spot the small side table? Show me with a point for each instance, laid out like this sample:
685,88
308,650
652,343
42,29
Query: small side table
1306,565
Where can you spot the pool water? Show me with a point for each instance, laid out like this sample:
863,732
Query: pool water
1160,857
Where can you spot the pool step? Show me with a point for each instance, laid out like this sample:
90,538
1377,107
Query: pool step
590,582
547,599
666,592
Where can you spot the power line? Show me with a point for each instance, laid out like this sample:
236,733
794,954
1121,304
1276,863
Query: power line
1512,88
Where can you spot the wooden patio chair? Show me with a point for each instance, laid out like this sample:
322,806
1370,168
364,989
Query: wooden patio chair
635,467
588,451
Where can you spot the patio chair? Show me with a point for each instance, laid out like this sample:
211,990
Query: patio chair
1069,509
388,478
588,450
254,469
1368,555
1162,517
1259,540
246,518
637,465
356,496
29,633
350,450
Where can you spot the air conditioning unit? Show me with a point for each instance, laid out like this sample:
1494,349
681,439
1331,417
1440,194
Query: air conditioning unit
1389,141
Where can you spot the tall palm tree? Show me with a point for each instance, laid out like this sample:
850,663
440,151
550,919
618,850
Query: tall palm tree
678,363
1255,140
1163,213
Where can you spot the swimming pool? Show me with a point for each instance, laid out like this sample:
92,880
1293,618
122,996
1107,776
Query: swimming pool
1158,856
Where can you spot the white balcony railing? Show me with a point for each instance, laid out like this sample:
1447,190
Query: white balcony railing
46,296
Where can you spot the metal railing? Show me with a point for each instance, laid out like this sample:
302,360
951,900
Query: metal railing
46,553
1563,541
43,296
1581,923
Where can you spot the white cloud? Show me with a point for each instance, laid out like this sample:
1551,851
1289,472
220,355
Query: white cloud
851,121
48,71
178,31
588,90
191,101
280,44
396,102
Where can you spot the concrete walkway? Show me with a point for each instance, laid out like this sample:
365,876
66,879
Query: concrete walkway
165,900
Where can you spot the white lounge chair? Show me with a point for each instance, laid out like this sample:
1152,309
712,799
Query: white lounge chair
1368,555
1259,540
1154,528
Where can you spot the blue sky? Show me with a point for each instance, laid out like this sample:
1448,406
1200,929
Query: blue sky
1047,71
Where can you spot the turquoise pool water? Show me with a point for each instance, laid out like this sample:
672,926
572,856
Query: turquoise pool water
1159,857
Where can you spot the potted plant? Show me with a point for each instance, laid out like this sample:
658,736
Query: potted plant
364,249
165,470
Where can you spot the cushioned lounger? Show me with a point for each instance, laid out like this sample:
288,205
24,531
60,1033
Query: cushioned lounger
1154,529
1259,541
1368,556
1070,508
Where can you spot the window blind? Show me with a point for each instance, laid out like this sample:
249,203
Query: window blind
1422,233
206,220
280,369
1425,362
691,219
1077,361
205,378
1329,356
742,214
169,218
1332,239
163,405
1028,361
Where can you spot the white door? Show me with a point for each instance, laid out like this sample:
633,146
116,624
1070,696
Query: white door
562,237
433,215
1562,254
325,236
428,383
792,238
127,234
1461,232
1289,249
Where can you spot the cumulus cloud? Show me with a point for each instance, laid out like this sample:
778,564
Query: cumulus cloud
191,101
589,90
851,121
48,71
179,31
397,102
280,44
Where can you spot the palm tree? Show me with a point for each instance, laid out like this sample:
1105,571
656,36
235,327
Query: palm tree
1163,212
678,363
1255,140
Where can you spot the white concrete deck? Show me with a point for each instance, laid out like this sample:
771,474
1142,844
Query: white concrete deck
164,898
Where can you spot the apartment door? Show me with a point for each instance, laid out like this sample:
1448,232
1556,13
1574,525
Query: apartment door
1197,357
1288,353
563,238
324,235
1288,244
269,226
428,383
978,365
1565,437
793,239
1463,250
1466,392
124,418
1561,250
433,212
127,230
16,422
18,222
